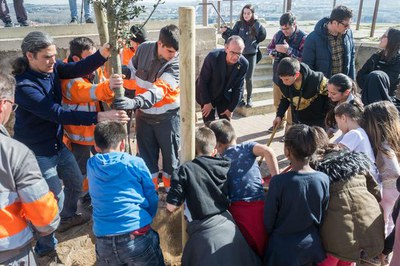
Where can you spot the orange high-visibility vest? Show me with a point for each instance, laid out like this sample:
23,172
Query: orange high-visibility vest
80,94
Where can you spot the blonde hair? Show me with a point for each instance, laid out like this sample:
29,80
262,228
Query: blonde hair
381,122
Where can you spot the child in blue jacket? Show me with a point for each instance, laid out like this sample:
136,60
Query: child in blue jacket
124,201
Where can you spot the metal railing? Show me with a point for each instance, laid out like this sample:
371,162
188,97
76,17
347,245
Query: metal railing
287,5
218,11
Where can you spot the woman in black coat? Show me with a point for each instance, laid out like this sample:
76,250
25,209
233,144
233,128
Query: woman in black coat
380,75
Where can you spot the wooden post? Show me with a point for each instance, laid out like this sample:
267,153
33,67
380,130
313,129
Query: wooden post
289,5
359,14
374,18
334,4
205,13
187,53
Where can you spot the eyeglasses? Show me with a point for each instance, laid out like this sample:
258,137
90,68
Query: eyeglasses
14,106
231,53
344,24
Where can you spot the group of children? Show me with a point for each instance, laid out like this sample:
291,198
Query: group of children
325,211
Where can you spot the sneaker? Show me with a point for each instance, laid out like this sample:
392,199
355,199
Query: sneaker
249,103
24,23
89,20
75,220
241,103
280,128
74,21
8,24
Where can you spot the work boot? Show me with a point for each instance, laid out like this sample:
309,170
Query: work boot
75,220
52,258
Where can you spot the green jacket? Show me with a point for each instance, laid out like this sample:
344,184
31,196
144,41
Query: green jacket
354,219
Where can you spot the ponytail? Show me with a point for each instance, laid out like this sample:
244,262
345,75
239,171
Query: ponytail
20,65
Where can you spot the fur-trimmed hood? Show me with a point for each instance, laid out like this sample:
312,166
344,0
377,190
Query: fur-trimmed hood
343,164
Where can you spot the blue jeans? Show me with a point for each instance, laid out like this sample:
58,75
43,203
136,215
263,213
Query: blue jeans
74,11
122,250
63,165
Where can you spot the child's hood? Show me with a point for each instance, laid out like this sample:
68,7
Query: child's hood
108,165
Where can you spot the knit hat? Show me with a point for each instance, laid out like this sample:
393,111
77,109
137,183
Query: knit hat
138,34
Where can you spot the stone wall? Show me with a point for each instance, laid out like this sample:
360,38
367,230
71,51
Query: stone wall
11,39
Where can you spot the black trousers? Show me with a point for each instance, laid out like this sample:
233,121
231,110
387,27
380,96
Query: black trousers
19,11
220,107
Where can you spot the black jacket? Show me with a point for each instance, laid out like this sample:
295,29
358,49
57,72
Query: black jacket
251,42
391,68
314,98
211,85
202,183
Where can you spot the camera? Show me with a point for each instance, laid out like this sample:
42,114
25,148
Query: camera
277,54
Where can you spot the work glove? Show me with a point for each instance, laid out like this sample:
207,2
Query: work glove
125,103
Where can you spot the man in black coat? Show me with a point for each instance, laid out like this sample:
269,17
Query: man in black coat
220,83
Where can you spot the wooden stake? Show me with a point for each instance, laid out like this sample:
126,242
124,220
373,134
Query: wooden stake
187,60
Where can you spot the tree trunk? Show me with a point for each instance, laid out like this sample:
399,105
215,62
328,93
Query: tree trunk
101,23
115,60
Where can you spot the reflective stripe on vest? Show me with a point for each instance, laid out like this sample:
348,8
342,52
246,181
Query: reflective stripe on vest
79,107
17,240
68,94
7,198
75,137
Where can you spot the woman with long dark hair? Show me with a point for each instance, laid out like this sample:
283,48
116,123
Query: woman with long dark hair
341,88
252,33
380,75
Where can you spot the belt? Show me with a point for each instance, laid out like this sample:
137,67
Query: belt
140,232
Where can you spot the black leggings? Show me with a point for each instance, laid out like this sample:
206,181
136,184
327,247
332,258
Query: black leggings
252,58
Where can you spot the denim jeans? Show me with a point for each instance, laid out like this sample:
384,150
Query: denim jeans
122,250
63,165
74,10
